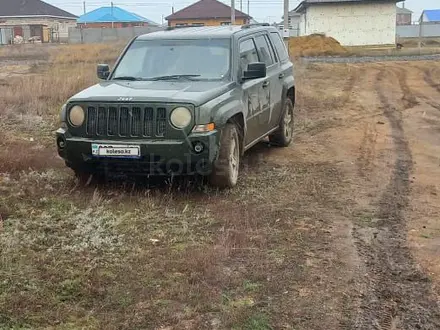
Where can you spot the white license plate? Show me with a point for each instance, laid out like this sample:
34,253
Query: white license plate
116,150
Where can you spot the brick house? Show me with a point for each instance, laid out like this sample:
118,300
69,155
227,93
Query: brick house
206,13
108,17
35,19
403,16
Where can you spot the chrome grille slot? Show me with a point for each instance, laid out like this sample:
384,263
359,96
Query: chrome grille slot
112,121
102,121
91,120
161,121
148,121
124,121
136,121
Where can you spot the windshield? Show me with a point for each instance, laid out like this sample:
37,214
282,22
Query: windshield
198,59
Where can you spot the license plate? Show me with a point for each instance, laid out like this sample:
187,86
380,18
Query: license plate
116,150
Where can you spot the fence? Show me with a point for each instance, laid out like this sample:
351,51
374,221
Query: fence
413,31
97,35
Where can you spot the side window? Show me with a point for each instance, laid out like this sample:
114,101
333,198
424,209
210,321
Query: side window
248,53
279,46
263,50
272,50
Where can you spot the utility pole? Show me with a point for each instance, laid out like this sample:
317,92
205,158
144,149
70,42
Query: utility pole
241,5
112,15
420,32
84,9
248,8
286,33
232,12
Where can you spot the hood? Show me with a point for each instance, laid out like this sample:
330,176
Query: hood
194,92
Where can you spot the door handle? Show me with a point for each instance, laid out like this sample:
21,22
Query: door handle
265,84
281,75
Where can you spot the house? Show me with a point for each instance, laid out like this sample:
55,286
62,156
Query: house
351,22
35,20
294,19
206,13
403,16
431,16
108,17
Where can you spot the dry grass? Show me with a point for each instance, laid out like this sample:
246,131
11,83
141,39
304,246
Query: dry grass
72,68
126,255
32,93
88,53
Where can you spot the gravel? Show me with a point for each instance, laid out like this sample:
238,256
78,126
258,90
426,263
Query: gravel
365,59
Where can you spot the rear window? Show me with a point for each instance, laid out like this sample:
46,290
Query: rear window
279,46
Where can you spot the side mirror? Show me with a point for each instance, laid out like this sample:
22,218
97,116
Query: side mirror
255,70
103,71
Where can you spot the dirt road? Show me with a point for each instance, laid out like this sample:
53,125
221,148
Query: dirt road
339,231
381,132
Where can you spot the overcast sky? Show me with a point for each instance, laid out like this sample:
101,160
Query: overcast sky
156,9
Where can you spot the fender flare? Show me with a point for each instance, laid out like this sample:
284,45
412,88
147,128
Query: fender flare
232,109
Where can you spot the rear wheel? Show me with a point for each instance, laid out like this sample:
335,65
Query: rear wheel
226,167
284,135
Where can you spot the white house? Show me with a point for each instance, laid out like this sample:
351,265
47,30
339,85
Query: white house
35,18
351,22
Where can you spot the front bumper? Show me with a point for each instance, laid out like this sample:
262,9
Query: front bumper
157,156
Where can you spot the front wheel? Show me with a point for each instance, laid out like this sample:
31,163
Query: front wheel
226,167
284,134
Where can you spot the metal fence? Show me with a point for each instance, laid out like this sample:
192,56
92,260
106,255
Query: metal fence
413,31
97,35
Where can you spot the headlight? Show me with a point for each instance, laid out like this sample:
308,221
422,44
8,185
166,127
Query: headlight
180,117
76,116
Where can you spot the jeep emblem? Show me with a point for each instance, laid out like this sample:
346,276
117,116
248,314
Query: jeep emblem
125,98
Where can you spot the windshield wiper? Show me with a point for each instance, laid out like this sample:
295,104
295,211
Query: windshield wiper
174,77
128,78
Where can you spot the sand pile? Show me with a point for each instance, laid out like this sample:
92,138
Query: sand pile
315,45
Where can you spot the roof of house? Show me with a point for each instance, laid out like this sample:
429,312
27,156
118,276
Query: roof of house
112,14
432,15
20,8
306,3
206,9
401,10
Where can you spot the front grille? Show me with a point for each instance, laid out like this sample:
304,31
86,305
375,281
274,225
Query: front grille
126,121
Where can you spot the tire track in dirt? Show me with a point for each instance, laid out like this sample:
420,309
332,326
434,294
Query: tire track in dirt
367,150
343,101
402,73
409,99
430,80
397,295
350,84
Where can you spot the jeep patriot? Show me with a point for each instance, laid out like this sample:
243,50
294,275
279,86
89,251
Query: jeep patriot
182,101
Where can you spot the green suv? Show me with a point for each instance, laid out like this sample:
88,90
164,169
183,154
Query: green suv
182,101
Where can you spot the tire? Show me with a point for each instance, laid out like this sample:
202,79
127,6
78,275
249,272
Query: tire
226,168
284,135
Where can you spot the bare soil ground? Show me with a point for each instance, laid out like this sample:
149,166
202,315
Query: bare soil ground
339,231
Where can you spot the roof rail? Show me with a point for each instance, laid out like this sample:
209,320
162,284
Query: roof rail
251,25
183,26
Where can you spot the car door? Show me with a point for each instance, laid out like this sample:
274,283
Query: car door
283,72
250,90
271,90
